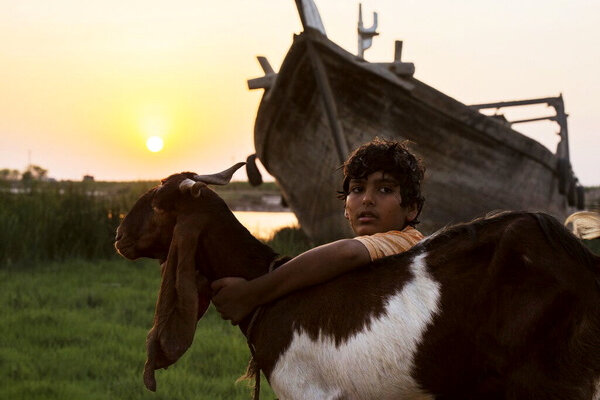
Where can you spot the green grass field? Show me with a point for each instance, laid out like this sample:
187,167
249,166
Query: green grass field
76,330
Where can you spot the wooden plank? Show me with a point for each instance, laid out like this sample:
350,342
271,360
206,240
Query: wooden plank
264,82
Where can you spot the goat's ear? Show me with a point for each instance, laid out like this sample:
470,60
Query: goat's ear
183,298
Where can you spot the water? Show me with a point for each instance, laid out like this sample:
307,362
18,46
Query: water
264,224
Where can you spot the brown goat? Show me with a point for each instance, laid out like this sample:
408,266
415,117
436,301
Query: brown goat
504,307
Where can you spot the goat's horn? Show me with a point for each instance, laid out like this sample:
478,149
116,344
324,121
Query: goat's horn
192,186
222,178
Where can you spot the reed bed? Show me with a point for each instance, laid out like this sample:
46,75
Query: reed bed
56,221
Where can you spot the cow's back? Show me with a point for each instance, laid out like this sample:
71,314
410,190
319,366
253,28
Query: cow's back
519,320
488,310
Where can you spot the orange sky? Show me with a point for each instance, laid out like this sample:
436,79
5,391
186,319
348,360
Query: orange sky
83,84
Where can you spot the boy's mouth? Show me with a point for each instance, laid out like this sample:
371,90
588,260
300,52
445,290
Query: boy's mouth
366,216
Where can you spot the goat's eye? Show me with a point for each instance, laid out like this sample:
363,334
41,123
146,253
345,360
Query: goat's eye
157,210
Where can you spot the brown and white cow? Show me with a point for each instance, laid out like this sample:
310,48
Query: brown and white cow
503,307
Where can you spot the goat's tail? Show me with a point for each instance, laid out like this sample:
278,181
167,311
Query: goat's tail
252,374
251,371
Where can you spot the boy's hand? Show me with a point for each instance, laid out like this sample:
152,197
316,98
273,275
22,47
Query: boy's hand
232,298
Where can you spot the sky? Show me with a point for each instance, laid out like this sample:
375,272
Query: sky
83,84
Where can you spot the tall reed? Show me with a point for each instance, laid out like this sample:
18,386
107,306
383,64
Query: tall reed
55,221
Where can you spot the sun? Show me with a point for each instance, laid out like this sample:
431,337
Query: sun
154,144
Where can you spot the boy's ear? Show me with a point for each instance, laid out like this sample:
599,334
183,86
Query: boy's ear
412,212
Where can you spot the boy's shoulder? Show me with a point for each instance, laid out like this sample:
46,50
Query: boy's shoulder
385,244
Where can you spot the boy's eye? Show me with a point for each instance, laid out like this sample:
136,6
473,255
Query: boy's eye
356,189
386,189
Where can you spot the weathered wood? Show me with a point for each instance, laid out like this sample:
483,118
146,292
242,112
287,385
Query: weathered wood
324,90
561,117
265,65
475,164
399,68
264,82
501,104
398,51
521,121
309,16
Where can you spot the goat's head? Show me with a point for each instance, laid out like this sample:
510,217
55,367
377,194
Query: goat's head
166,223
147,229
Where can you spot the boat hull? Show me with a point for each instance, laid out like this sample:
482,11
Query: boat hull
475,164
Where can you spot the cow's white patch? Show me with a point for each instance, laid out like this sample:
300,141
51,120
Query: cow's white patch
373,364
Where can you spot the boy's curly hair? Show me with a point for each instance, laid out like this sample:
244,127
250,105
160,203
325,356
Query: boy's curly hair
392,158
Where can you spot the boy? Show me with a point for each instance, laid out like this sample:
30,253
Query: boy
382,200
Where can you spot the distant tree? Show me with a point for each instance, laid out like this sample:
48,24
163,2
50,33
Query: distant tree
27,177
38,172
7,174
34,173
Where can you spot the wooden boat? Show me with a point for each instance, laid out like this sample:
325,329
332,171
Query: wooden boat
325,101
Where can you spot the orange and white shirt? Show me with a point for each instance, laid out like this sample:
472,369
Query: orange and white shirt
389,243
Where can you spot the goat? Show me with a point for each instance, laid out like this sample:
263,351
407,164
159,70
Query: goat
503,307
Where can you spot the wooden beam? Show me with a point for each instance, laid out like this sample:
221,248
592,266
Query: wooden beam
398,51
546,100
562,150
520,121
264,64
399,68
320,74
264,82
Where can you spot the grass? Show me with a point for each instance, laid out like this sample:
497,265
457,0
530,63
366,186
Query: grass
76,330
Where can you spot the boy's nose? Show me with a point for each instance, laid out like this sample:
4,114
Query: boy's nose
367,198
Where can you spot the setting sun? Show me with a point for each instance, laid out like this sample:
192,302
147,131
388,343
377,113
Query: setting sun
154,144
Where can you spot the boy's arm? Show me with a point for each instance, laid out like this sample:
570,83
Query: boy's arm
235,297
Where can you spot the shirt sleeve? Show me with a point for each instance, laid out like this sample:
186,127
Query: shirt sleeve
389,243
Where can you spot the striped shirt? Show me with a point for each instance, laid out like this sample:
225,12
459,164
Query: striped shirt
389,243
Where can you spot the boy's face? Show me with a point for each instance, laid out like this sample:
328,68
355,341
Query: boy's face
373,205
